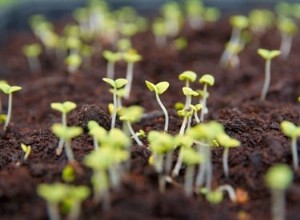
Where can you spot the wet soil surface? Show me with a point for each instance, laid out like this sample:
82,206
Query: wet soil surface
234,101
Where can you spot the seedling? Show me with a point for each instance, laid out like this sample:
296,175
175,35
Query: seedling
73,43
159,89
195,10
227,142
111,58
260,20
8,90
233,49
278,179
188,77
66,134
216,196
160,32
117,85
288,29
268,55
173,17
131,115
32,53
73,62
27,150
131,57
68,173
64,108
191,158
206,80
292,131
97,132
180,43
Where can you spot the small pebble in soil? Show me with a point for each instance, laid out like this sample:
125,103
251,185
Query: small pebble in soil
90,112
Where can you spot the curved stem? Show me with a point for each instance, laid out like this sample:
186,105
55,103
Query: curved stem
267,80
229,190
165,112
133,134
52,211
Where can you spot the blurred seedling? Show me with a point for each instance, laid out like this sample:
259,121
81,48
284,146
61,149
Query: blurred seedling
160,32
206,80
73,62
27,150
111,58
8,90
68,173
260,20
180,43
217,196
97,132
278,178
64,108
159,89
292,131
268,55
32,53
188,77
173,17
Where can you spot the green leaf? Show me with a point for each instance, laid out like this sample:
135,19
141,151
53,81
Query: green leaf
64,107
207,79
191,157
73,60
189,92
32,50
111,56
289,129
160,142
268,54
162,87
116,138
214,197
226,141
53,193
7,89
66,133
188,76
120,82
239,21
131,114
279,177
151,86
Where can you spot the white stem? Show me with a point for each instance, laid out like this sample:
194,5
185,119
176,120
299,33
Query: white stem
166,127
34,64
68,150
286,44
178,164
202,169
229,190
95,143
129,76
203,102
183,125
110,70
209,170
188,180
115,109
168,162
60,147
114,176
9,109
278,204
225,161
52,211
133,134
267,80
295,153
75,211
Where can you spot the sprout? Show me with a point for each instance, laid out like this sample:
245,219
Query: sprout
73,61
131,115
288,29
233,49
293,132
130,57
97,132
27,150
227,142
8,90
268,55
73,43
32,52
64,108
194,10
117,94
206,80
191,158
216,196
66,134
211,14
187,76
278,179
260,20
111,58
173,17
159,89
180,43
123,45
1,106
68,173
160,32
161,145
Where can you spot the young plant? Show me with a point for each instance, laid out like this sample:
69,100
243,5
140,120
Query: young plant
216,196
8,90
268,55
66,134
288,29
173,17
292,131
131,115
27,150
111,58
278,178
194,10
206,80
32,53
227,142
187,77
159,89
73,62
97,132
160,32
116,85
131,57
191,158
64,108
161,145
233,49
260,20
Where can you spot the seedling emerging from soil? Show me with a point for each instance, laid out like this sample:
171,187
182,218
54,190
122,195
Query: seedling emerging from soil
268,55
227,142
8,90
216,196
278,179
191,158
66,134
288,29
64,108
116,85
131,57
73,62
292,131
27,150
111,58
131,115
159,89
32,53
206,80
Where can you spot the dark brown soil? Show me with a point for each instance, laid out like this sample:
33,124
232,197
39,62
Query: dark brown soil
234,102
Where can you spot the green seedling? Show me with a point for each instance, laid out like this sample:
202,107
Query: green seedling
66,134
8,90
123,45
131,115
111,58
64,108
131,57
86,52
288,29
73,43
233,49
1,106
211,14
68,173
73,62
195,10
117,92
191,158
292,131
206,80
173,17
278,178
268,55
161,145
159,89
216,196
27,150
260,20
97,132
160,31
227,142
32,53
180,43
188,77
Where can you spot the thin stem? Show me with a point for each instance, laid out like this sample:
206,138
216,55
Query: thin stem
225,161
95,143
52,211
209,170
133,134
165,112
110,69
203,102
267,80
114,176
168,162
188,180
178,164
202,169
286,44
9,109
278,204
34,64
68,150
75,211
295,153
115,109
183,125
229,190
60,147
129,76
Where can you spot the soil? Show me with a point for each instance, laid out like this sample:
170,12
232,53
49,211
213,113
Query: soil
234,101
